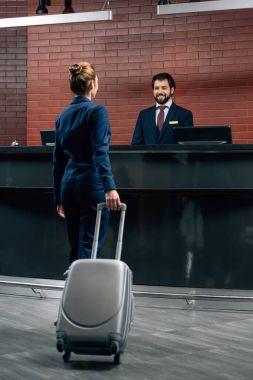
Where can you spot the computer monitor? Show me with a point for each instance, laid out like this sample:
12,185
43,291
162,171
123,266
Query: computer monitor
203,135
47,137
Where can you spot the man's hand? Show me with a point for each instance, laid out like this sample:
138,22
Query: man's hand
112,200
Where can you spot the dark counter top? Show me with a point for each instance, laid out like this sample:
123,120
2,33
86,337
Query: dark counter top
158,167
237,148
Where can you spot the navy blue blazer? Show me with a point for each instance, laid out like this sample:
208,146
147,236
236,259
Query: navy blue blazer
81,146
146,131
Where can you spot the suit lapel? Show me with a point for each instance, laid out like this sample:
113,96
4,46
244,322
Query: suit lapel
171,113
153,117
152,128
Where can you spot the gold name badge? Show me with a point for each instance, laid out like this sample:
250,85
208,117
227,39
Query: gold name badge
173,122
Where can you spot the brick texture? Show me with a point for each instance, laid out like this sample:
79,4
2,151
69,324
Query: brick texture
13,60
210,56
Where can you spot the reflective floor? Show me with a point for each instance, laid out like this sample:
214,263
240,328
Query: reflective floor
170,339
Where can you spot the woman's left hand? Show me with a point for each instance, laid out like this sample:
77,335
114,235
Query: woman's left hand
60,211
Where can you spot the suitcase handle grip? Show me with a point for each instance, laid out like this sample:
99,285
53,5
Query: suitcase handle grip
100,207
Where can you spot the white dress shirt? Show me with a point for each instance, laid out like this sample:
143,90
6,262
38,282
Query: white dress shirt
166,110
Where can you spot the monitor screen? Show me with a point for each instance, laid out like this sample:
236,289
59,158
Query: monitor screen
47,137
203,135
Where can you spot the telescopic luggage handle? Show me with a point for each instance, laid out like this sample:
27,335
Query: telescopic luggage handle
100,207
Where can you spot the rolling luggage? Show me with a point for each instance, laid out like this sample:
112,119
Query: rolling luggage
97,303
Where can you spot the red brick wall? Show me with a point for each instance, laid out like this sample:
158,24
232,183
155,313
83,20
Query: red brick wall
13,54
210,56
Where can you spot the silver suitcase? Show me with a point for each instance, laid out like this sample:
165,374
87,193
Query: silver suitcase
96,308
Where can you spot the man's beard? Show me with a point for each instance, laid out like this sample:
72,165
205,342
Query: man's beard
165,100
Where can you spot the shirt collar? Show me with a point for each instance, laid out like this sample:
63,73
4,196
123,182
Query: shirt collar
168,104
80,98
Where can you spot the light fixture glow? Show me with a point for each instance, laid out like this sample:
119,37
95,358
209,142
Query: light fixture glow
56,19
204,6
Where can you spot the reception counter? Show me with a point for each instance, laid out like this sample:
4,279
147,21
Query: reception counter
189,220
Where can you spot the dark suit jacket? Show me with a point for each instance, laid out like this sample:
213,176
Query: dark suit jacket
146,131
81,146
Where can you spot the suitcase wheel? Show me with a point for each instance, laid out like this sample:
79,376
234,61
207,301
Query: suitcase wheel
115,347
60,345
117,358
66,356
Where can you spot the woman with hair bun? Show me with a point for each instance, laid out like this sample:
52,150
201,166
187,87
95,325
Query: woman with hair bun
81,166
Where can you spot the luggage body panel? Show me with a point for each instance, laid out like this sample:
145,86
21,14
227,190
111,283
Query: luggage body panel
96,308
97,304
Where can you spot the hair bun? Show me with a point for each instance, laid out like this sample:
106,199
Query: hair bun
75,69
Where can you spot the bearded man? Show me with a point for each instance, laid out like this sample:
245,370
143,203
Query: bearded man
155,124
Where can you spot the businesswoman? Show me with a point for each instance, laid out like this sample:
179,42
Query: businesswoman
81,166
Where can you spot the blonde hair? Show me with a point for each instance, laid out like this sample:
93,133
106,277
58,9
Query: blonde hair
79,76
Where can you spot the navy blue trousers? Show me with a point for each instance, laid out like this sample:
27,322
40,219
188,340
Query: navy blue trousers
80,207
